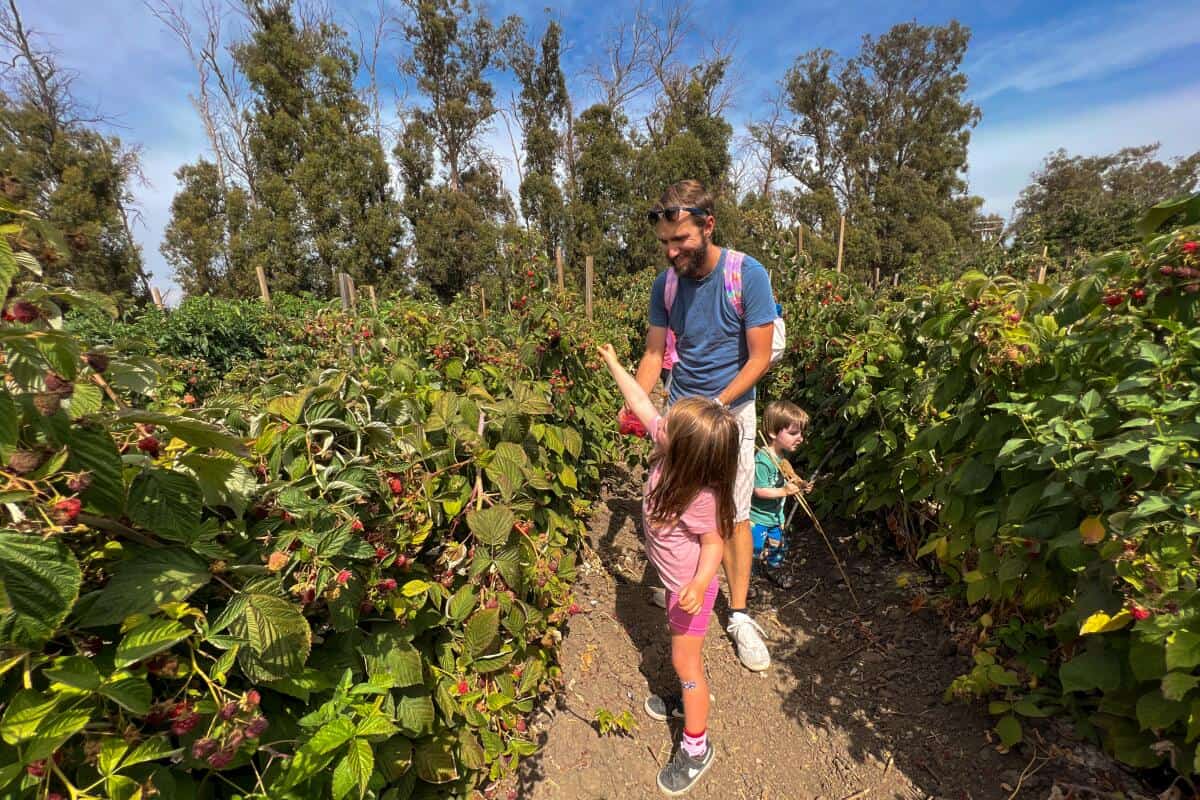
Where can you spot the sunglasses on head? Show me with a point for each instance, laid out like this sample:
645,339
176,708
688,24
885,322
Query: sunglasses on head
673,213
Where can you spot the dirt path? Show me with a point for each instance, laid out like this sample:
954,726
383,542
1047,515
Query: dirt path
850,708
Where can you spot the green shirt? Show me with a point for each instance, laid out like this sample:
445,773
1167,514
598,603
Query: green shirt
765,511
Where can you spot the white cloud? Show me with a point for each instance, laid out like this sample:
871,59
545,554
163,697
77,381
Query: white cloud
1002,157
1087,47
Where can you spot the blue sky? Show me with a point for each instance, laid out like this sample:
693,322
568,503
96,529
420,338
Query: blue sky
1087,76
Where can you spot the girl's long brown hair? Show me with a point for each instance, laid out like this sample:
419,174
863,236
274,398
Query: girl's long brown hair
701,453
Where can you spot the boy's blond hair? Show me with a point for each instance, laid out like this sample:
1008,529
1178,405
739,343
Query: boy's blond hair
781,414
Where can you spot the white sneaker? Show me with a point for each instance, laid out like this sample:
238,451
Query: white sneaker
751,650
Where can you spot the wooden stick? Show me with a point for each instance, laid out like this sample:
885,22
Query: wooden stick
799,240
895,279
877,278
371,294
353,293
482,303
157,295
587,287
558,266
344,290
841,241
263,289
1041,278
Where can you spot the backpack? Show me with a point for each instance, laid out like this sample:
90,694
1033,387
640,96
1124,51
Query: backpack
733,291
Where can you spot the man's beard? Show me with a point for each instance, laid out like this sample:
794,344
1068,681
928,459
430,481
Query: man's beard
694,264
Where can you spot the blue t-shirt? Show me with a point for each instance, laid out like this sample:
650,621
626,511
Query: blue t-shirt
710,337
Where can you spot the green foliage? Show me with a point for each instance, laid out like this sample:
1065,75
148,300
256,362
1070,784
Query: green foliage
1038,444
343,578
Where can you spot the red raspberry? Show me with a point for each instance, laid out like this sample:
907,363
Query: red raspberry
382,552
180,709
184,725
520,724
1113,300
221,759
65,511
1014,317
1139,613
1166,271
203,748
257,727
396,485
574,609
24,312
629,424
356,526
149,445
1139,295
36,769
251,699
387,585
228,711
463,688
1191,247
343,577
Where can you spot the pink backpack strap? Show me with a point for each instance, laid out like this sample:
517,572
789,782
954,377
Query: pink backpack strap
733,280
669,291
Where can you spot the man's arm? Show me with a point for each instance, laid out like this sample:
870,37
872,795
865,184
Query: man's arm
758,344
650,367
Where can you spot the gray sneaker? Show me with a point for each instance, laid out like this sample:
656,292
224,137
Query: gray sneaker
751,650
663,708
682,772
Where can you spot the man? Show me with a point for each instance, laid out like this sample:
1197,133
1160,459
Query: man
721,355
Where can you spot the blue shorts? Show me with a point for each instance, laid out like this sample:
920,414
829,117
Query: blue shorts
769,546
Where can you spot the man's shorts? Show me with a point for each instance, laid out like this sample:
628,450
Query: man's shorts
743,486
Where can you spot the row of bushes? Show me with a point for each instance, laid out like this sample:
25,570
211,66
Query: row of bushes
336,574
1040,443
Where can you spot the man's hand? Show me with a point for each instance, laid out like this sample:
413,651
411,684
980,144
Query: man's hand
691,597
607,353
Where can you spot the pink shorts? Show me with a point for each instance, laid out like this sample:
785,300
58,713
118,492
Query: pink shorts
685,624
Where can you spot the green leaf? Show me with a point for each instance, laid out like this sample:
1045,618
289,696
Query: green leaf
24,714
1160,454
148,578
152,636
152,749
1009,730
39,582
434,760
93,450
223,481
567,477
8,268
76,672
9,426
492,526
375,725
195,432
289,406
130,692
480,631
1176,685
166,503
1183,650
112,750
1187,205
354,770
315,754
1089,671
394,757
414,713
390,660
1157,712
85,401
1103,623
572,441
462,603
277,637
55,730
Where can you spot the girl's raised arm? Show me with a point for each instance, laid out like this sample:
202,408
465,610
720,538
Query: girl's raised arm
635,397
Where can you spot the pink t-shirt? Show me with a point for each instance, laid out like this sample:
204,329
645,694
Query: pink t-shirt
675,551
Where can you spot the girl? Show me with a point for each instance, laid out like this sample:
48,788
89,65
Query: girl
688,513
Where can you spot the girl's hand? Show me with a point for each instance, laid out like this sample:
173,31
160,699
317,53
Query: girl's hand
791,489
607,352
691,598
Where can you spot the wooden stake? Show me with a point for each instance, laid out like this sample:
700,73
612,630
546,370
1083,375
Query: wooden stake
587,287
343,281
895,279
482,304
841,241
558,265
877,278
800,239
157,295
263,290
1041,278
353,293
371,295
